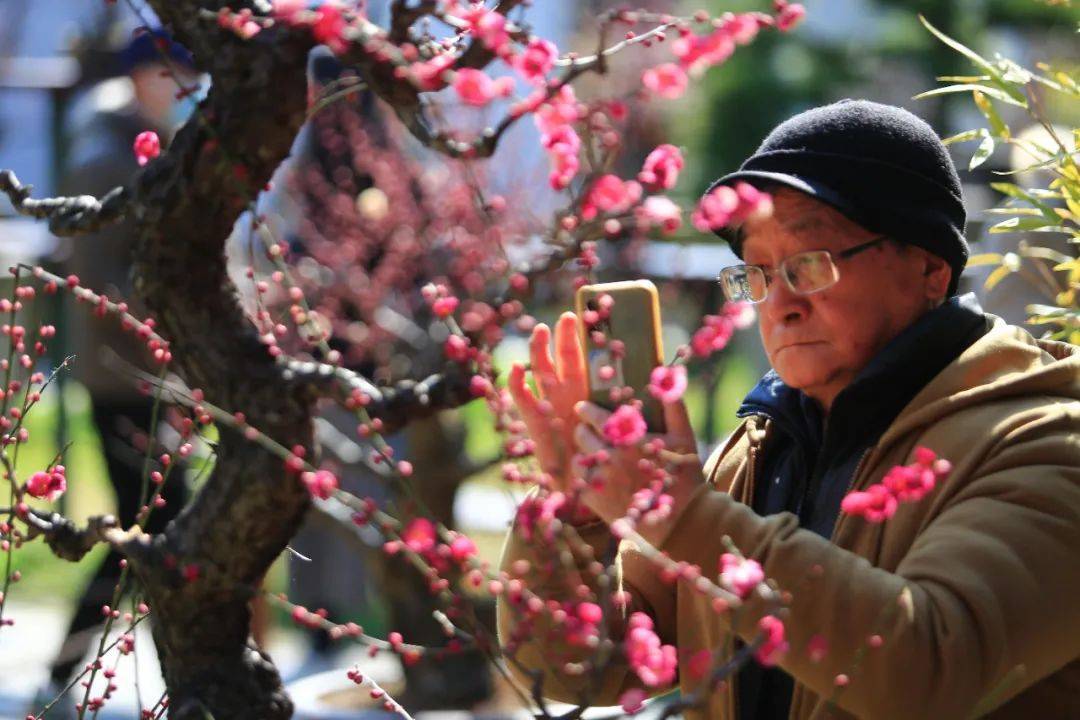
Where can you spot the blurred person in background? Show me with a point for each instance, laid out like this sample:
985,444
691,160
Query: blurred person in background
101,127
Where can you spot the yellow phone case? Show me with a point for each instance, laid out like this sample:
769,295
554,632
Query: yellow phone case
634,318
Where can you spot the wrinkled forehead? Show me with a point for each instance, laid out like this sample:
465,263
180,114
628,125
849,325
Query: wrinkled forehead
798,222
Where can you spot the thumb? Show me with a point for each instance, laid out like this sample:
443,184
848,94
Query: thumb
677,420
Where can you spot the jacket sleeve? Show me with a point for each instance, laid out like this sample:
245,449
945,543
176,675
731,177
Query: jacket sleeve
981,606
556,574
534,650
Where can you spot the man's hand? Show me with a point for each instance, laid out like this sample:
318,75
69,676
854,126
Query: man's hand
622,475
561,384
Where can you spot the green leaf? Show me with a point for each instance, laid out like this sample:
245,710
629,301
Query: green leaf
961,137
962,78
997,125
984,259
961,48
1021,224
986,147
1021,194
993,92
999,274
1045,253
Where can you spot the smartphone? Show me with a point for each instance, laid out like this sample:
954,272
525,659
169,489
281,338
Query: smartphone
632,316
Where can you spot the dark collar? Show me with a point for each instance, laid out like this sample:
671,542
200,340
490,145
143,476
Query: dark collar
862,410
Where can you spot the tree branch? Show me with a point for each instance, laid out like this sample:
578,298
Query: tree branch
67,216
68,541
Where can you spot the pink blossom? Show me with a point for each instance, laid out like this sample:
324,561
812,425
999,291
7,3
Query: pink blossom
659,211
489,26
909,483
817,648
668,81
742,27
715,209
428,74
329,28
775,645
590,613
790,16
419,535
474,87
562,144
726,205
741,314
444,307
610,194
625,426
287,10
712,336
740,575
147,146
47,485
536,60
560,109
633,700
462,548
875,504
661,168
655,664
667,383
321,483
698,52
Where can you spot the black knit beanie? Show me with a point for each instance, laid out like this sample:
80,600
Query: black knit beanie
879,165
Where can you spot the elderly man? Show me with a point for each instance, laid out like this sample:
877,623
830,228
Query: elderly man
962,603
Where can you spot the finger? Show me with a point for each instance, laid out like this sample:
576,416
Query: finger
587,440
677,421
568,353
592,414
526,402
543,367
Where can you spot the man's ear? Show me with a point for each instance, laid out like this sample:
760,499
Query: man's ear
937,274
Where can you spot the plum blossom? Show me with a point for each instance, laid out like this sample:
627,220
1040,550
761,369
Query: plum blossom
740,575
633,700
562,144
625,426
462,548
147,146
655,664
610,194
660,212
47,485
444,307
661,168
789,16
668,81
875,504
475,87
667,383
321,483
489,26
329,28
725,205
712,336
775,645
536,60
419,535
696,53
741,314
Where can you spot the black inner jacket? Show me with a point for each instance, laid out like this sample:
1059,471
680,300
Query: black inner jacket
810,459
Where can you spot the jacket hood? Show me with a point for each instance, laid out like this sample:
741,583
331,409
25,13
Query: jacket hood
1006,362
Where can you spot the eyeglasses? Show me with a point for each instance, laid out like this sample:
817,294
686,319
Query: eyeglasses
805,273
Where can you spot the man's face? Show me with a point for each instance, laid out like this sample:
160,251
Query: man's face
818,343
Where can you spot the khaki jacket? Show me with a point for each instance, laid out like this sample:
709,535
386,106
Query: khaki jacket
975,589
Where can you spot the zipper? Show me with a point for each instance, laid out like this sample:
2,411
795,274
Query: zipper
851,484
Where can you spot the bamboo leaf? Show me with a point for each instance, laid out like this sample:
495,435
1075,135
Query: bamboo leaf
985,149
961,48
999,274
997,125
1021,224
996,93
1019,193
961,137
984,259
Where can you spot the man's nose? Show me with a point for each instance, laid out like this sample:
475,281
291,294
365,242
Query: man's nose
784,305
